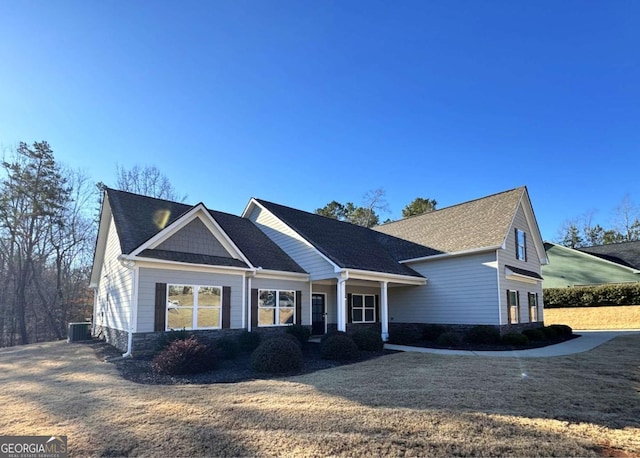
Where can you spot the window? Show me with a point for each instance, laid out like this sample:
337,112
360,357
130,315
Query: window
513,298
521,245
276,308
533,307
194,307
363,308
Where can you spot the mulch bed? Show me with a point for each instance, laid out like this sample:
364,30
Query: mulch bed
139,369
497,347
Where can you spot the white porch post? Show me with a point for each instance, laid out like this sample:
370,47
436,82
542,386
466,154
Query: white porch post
341,296
384,311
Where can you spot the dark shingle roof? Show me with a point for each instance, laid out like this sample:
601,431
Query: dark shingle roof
351,246
625,253
480,223
526,273
138,218
192,258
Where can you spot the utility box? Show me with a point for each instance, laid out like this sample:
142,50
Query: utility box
79,332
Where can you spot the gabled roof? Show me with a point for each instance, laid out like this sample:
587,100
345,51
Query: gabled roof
139,218
624,253
480,223
350,246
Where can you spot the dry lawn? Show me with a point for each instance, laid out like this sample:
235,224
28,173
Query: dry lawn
400,404
626,317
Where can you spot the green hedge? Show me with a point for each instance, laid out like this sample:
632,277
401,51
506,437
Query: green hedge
592,296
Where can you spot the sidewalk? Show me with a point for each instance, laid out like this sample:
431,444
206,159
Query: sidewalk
587,341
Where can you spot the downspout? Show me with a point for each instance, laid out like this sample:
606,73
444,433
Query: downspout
133,306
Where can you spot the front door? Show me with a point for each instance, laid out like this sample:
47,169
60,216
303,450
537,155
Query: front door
318,314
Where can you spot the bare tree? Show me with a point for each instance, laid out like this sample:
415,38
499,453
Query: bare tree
627,219
147,180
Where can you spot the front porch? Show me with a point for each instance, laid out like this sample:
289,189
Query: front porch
355,299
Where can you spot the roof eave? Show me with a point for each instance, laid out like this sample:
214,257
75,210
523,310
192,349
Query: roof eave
452,254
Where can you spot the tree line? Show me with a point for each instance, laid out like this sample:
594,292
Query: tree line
581,232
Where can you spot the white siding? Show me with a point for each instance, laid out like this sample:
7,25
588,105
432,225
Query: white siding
292,244
460,290
288,285
113,303
195,238
147,291
507,256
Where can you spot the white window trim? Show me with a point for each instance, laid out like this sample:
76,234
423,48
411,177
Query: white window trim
535,307
363,308
516,306
277,308
195,307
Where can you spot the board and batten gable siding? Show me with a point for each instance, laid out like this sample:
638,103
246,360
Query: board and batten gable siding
195,237
507,256
288,285
148,277
292,244
113,305
460,290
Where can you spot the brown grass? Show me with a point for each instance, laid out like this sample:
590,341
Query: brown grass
401,404
625,317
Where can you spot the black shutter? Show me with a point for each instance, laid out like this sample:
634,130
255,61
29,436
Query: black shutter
508,307
160,316
516,233
254,308
349,319
226,307
377,307
298,307
524,240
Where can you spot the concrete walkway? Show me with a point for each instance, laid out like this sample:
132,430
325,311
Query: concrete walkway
587,341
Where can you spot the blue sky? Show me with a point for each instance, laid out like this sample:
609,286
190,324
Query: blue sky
304,102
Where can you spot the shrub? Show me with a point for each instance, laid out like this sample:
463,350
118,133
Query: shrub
248,341
339,347
333,333
449,339
186,356
550,332
408,335
302,333
277,355
368,340
534,334
286,336
431,332
562,330
483,335
515,338
592,296
170,336
228,346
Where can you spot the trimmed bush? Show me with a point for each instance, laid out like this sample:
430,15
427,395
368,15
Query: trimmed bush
170,336
333,333
592,296
550,332
277,355
185,357
248,341
286,336
228,346
562,330
431,332
536,334
368,340
302,333
515,339
449,339
405,335
339,347
483,335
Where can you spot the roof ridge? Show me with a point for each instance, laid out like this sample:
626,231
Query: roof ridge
609,244
307,212
107,188
453,206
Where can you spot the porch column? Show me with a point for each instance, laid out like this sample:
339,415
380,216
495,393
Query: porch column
341,308
384,311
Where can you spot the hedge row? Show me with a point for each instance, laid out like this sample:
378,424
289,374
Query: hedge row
592,296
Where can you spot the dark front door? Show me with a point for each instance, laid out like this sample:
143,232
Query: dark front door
318,314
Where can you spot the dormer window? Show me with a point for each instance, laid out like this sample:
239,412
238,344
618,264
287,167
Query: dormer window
521,245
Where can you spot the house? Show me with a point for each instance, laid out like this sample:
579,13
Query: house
597,265
163,265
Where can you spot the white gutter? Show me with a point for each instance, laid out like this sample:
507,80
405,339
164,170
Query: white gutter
133,306
451,255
